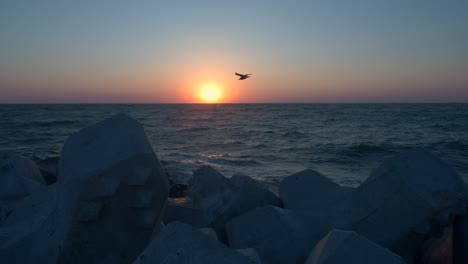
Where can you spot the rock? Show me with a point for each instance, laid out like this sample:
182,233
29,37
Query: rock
104,207
251,254
460,239
48,168
278,235
117,189
403,194
209,232
438,249
177,210
411,192
310,190
207,188
224,198
340,246
179,243
33,232
19,177
178,190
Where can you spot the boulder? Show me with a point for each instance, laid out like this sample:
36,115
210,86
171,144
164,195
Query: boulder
340,246
278,235
224,198
406,195
32,232
179,243
183,211
104,207
48,168
19,177
460,239
251,254
116,190
209,232
310,190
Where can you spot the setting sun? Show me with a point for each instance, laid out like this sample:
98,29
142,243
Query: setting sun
210,93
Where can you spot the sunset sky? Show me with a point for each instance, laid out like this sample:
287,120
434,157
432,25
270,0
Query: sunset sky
169,51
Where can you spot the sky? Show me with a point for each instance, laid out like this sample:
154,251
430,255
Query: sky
119,51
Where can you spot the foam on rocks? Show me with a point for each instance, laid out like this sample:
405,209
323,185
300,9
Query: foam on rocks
310,190
340,246
179,243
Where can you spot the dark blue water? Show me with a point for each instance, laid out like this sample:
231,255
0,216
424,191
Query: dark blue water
265,141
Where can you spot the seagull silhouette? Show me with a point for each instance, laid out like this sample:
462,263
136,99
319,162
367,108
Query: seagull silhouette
243,76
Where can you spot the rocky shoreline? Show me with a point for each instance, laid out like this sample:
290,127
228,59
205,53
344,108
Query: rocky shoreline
108,199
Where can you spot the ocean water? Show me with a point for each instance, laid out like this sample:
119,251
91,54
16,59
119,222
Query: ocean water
265,141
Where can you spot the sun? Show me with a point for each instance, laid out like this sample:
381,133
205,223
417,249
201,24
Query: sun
210,93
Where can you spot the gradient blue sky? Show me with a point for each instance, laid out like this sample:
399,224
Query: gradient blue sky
299,51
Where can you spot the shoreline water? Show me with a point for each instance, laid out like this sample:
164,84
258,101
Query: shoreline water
265,141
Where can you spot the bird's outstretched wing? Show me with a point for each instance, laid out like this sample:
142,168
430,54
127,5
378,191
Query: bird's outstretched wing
238,74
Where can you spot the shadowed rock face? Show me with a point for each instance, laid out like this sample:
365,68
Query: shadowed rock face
310,191
223,198
48,168
340,246
104,207
278,235
178,243
412,189
409,193
19,176
118,187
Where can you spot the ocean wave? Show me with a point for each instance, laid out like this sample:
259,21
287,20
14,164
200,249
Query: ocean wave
459,145
54,123
235,162
194,129
294,135
362,149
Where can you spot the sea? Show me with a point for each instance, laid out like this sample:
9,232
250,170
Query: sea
268,142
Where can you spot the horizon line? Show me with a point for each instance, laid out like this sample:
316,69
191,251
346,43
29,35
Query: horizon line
246,103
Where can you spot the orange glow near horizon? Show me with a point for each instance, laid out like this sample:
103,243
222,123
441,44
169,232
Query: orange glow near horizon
210,93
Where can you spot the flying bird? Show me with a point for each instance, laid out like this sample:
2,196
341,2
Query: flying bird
243,76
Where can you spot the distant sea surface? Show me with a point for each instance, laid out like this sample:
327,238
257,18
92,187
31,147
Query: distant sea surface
265,141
